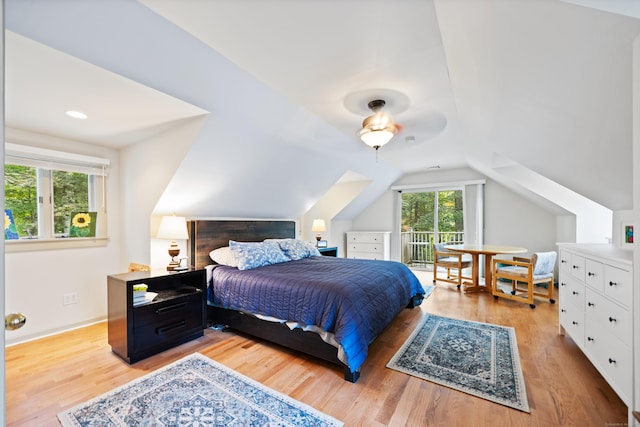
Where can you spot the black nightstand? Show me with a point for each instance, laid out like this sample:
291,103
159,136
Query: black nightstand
175,316
329,251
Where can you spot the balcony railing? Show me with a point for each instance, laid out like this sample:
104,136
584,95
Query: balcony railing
417,246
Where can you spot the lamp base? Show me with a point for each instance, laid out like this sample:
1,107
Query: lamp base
174,251
173,266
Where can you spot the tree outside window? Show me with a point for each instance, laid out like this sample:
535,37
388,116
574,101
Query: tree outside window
21,196
25,186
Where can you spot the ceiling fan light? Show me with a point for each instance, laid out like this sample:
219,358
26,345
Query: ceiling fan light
376,138
377,129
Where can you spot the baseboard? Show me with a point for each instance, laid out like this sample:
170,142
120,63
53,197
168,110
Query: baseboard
26,338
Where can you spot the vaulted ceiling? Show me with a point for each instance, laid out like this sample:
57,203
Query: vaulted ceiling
541,84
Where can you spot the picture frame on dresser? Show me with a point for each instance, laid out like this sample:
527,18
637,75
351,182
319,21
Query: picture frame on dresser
322,244
626,235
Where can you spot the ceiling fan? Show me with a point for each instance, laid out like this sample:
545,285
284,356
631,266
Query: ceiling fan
377,129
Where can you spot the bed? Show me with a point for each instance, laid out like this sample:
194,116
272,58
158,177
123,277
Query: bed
330,308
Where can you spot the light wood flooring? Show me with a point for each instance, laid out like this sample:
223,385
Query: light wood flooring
49,375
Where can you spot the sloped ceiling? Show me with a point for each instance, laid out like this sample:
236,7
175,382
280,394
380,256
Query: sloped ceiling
545,83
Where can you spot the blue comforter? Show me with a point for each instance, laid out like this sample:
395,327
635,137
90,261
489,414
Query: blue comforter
352,299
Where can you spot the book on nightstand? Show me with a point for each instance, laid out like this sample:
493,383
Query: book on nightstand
143,297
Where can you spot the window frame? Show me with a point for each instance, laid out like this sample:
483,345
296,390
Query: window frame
45,161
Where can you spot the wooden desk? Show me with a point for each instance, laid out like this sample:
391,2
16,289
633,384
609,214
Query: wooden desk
488,251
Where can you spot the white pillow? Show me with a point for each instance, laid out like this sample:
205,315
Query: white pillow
224,256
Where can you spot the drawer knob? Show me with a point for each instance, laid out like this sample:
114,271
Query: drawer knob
612,361
590,339
612,283
563,261
575,267
611,319
575,323
563,310
575,293
563,284
590,304
591,274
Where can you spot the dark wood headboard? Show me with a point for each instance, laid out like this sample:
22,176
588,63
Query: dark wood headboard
207,235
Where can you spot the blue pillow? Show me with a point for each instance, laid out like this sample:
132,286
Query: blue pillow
296,249
256,254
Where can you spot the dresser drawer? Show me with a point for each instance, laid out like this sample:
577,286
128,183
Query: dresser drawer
594,274
366,255
577,267
564,262
572,320
365,238
366,247
610,317
612,358
572,293
618,284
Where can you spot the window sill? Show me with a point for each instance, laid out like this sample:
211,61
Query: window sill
27,245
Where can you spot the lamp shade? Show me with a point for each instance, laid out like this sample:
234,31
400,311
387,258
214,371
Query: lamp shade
173,228
318,225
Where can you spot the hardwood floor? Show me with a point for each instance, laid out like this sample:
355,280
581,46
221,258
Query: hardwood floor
46,376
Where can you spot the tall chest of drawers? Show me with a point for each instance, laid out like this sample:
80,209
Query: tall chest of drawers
596,297
369,245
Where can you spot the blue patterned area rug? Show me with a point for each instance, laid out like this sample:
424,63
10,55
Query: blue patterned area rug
477,358
194,391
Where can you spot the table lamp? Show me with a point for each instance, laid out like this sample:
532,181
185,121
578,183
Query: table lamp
318,226
173,228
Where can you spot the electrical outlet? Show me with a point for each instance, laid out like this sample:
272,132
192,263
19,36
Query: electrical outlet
70,298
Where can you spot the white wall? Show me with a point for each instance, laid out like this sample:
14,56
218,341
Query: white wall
512,220
147,168
337,198
509,219
36,281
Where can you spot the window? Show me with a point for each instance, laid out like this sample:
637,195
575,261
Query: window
45,188
425,214
430,217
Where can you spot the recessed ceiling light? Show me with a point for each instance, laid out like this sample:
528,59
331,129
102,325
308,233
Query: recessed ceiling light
76,114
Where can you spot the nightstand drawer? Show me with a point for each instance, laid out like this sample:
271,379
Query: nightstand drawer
169,328
166,311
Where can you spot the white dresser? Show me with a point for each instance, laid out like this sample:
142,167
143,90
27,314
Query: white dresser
596,296
369,245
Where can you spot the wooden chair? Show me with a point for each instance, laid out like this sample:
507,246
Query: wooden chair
453,262
524,274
